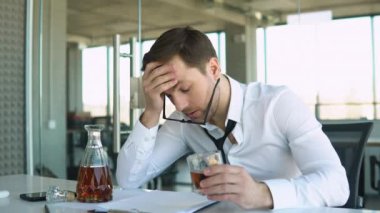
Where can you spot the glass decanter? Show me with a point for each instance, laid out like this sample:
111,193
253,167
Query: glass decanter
94,177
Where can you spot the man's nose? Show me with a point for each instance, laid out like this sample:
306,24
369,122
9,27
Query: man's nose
180,103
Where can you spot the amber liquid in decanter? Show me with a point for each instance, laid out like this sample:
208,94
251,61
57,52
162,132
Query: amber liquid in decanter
94,184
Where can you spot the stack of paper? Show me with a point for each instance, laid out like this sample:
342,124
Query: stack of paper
143,201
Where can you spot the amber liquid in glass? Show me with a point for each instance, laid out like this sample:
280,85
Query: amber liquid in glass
196,177
94,184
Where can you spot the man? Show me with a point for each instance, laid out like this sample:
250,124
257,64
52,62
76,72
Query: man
276,153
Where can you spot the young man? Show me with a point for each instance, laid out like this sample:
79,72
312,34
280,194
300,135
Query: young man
276,153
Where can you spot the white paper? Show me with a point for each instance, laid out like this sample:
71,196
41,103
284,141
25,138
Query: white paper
161,201
117,194
145,201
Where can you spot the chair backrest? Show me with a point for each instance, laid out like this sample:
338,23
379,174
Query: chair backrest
349,140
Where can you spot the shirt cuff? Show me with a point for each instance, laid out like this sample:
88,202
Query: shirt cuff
144,137
283,193
141,129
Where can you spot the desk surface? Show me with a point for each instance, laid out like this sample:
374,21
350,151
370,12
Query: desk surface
17,184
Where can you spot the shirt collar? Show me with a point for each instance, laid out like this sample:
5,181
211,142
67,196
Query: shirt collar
236,101
234,110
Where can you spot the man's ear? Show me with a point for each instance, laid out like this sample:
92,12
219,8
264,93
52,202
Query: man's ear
214,68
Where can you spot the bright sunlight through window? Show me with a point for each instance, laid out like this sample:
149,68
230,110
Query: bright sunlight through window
330,65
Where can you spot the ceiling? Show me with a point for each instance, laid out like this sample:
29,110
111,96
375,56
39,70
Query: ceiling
93,22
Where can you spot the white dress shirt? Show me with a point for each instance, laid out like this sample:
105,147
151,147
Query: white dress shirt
279,142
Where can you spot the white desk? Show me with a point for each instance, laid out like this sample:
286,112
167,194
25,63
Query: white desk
228,207
17,184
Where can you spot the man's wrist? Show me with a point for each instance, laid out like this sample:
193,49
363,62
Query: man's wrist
267,198
149,119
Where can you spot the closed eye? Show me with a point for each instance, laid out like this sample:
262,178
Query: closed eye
184,90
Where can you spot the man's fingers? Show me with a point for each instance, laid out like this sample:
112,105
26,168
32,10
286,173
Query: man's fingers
223,178
159,79
156,69
165,86
161,84
152,66
224,168
224,197
156,82
225,188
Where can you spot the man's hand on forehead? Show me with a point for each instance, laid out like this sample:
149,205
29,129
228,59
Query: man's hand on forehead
152,66
162,69
168,67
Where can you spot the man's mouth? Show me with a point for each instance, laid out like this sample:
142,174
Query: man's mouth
193,115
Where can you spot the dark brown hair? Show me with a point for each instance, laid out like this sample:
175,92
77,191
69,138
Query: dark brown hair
191,45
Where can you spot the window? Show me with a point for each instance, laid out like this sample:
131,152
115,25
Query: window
376,62
95,93
329,65
94,83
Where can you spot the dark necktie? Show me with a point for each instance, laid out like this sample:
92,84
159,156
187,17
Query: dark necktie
220,142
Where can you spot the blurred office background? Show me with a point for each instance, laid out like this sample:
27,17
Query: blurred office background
56,68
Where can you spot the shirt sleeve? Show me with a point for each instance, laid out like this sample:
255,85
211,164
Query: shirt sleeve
148,152
323,181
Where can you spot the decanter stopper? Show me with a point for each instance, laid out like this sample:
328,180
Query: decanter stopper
55,194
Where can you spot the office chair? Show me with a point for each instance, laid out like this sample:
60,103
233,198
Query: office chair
349,140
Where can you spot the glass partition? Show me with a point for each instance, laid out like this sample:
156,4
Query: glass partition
72,85
73,82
